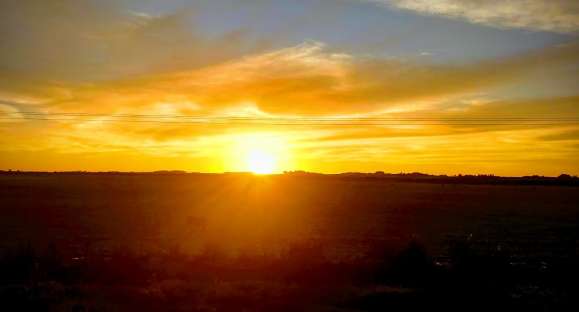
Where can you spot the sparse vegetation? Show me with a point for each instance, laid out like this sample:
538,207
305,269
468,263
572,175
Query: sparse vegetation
76,242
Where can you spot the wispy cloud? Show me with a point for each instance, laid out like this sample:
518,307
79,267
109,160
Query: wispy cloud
86,41
544,15
309,80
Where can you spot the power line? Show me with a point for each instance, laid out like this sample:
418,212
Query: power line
292,121
240,122
175,116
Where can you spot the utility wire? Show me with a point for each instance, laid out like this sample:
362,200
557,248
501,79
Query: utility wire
198,122
291,121
287,118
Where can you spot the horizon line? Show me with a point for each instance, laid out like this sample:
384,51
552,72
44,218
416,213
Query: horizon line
290,172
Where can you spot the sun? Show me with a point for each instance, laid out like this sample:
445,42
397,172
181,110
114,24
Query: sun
261,162
259,153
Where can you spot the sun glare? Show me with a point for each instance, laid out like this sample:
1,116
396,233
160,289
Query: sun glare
261,162
259,153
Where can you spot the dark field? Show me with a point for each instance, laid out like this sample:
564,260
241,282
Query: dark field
236,242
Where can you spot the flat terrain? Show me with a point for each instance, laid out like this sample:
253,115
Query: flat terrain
245,212
347,220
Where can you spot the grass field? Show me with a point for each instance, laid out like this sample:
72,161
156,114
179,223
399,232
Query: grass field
199,240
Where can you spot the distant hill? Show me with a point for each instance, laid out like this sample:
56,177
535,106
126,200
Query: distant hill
416,177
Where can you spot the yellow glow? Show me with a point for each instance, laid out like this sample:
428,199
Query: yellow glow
260,153
261,162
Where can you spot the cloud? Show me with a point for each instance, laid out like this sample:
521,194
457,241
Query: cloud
451,122
304,80
96,57
564,135
560,16
308,79
87,41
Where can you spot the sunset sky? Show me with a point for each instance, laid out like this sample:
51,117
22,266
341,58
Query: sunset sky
266,86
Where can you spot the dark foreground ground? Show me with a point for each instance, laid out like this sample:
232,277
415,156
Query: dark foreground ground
192,242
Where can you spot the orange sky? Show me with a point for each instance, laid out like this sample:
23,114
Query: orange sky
104,59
